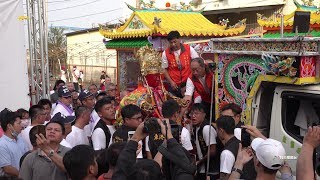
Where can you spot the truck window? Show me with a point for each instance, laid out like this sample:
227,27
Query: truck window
299,111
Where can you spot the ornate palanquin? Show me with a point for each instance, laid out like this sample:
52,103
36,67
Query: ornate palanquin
243,64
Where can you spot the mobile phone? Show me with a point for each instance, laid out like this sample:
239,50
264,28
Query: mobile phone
245,138
130,134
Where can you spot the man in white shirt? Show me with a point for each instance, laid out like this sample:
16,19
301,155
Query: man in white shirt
88,100
234,111
66,121
176,61
225,128
77,135
75,77
204,137
201,81
64,102
103,131
38,117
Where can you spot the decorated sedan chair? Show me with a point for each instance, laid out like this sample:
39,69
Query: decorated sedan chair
151,92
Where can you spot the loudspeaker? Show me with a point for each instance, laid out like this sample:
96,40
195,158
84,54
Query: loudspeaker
301,22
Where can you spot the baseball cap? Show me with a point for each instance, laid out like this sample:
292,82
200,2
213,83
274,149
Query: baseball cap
64,92
62,118
84,94
269,152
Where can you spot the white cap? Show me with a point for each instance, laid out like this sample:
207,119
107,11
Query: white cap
269,152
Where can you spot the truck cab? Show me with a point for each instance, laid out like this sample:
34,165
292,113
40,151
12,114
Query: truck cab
284,112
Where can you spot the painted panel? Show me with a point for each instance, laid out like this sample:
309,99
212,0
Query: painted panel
308,66
135,24
236,76
127,63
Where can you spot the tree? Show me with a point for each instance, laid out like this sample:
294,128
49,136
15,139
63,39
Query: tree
57,50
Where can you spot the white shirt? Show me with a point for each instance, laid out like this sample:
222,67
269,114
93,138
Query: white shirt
306,116
63,77
62,110
25,136
65,143
99,138
94,119
237,133
25,123
77,74
227,160
140,156
205,133
185,140
165,63
77,136
190,87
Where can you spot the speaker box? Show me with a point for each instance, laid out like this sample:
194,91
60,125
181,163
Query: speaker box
301,22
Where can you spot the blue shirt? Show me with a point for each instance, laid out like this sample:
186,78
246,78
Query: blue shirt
11,152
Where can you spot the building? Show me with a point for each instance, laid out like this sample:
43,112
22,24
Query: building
85,49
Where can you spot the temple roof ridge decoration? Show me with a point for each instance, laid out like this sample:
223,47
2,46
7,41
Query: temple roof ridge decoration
153,22
274,22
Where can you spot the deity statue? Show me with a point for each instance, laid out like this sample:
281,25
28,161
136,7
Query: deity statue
151,92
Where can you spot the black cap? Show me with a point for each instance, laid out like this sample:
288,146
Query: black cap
64,92
62,118
84,94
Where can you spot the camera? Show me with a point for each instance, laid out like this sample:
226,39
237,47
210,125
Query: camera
212,66
151,126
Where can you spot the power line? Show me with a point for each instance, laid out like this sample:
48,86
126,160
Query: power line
114,19
62,1
86,15
74,6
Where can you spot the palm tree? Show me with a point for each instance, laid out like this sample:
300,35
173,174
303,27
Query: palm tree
57,50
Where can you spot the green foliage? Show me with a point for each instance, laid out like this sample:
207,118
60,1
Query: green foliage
57,49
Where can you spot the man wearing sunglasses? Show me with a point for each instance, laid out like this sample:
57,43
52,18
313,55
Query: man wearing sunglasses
64,102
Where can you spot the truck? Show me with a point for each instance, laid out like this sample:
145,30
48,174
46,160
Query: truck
275,81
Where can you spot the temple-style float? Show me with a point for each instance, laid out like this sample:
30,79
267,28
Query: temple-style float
150,26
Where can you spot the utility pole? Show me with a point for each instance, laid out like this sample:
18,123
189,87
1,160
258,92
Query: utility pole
38,48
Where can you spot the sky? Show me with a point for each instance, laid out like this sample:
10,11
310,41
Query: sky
84,13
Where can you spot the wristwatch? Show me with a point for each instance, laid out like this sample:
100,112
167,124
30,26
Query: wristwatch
50,154
237,170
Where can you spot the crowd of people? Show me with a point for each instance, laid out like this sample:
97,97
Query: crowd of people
63,140
74,136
